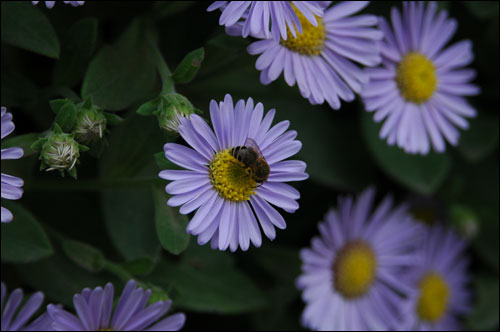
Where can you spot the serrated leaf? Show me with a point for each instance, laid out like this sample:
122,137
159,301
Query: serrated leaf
170,224
423,174
123,74
189,66
77,49
23,239
24,142
84,255
66,117
25,26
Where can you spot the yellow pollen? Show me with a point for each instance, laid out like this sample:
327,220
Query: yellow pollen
416,78
310,41
434,294
231,178
354,269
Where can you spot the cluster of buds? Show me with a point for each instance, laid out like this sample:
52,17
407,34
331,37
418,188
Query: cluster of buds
75,125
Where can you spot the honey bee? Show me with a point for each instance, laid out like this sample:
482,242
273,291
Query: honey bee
250,155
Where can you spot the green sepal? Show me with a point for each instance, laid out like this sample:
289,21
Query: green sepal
87,103
148,108
57,104
113,119
57,129
66,117
37,145
71,172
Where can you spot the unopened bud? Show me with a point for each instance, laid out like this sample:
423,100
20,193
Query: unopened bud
90,125
172,107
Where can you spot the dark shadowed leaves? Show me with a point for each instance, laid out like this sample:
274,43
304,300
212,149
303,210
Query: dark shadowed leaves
25,26
77,49
121,74
84,255
170,224
423,174
23,239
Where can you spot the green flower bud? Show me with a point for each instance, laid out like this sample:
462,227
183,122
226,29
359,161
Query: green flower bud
464,220
171,108
90,125
157,293
59,151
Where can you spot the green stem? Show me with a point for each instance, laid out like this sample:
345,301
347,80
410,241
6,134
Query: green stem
91,184
118,271
165,73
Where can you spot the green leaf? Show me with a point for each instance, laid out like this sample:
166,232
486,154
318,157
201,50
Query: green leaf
485,314
66,117
60,279
170,224
23,239
16,89
223,290
77,49
148,107
123,74
189,66
129,216
423,174
84,255
140,266
25,26
57,104
481,139
22,141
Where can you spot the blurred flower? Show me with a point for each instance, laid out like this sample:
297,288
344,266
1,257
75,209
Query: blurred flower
258,15
24,312
94,312
320,59
50,4
420,87
11,185
229,193
440,279
352,273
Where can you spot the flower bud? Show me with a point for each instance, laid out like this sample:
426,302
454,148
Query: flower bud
59,151
90,125
171,108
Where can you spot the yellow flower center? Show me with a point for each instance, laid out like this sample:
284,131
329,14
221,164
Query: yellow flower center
310,41
416,77
231,178
434,294
354,269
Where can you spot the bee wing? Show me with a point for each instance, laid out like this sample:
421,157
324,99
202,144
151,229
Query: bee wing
252,144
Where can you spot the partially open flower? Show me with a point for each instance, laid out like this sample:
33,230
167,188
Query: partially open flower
90,125
171,109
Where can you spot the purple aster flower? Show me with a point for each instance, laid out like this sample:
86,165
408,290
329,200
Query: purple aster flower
11,185
268,18
440,279
94,312
321,58
50,4
418,92
351,276
25,312
234,175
